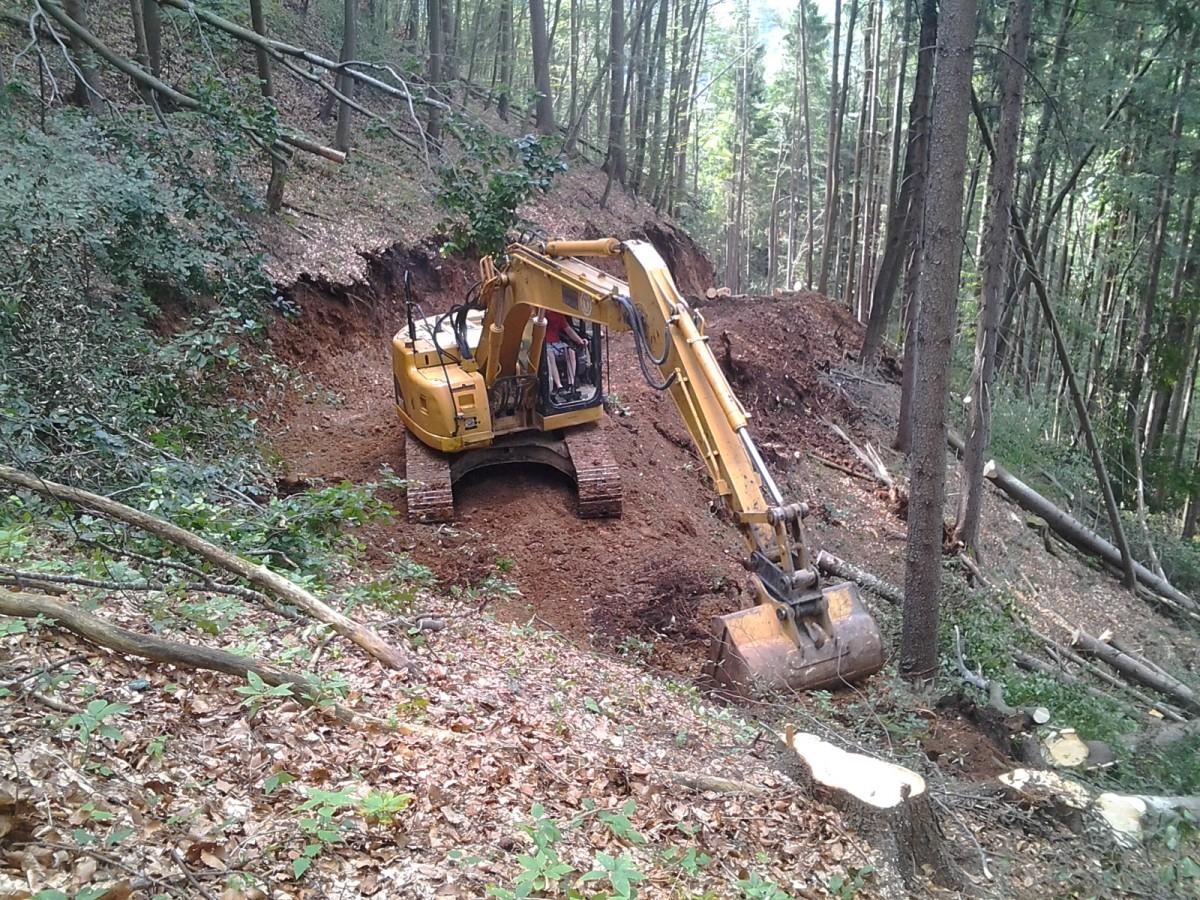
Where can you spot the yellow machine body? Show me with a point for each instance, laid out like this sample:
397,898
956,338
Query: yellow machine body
463,383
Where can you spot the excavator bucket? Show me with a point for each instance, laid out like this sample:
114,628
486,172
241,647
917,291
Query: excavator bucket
756,653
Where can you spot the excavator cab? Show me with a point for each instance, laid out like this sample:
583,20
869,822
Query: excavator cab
578,372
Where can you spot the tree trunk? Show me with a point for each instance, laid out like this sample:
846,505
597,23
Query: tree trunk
886,804
860,153
1138,670
810,239
279,163
830,154
1179,398
1146,316
261,57
152,22
904,216
655,101
866,268
141,52
994,267
541,66
833,180
1191,509
436,33
349,27
88,91
941,262
504,49
614,165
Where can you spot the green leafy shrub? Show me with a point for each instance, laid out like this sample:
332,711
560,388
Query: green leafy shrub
484,189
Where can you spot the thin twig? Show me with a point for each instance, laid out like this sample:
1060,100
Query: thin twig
187,873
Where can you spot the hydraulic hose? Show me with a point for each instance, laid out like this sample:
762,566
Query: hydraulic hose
641,345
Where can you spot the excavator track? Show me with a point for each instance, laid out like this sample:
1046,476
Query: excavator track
430,497
597,476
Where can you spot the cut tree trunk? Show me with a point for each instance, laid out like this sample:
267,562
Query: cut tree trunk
887,804
1128,816
258,575
97,631
1077,534
1138,670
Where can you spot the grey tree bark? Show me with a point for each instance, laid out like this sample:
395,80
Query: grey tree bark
152,23
541,66
433,11
905,214
88,90
346,84
615,163
994,266
940,264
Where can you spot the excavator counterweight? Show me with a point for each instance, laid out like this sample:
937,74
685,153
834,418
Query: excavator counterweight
514,375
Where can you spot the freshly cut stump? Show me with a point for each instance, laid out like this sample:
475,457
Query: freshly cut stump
887,804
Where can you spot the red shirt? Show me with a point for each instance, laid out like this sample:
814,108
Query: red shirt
555,323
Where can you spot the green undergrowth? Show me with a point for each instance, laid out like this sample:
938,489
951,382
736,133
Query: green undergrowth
1021,442
132,300
990,639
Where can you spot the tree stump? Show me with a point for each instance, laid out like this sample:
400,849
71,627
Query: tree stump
888,805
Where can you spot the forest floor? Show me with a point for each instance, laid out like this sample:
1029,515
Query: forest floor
558,720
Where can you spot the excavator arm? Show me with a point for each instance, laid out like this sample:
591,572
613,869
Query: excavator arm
797,634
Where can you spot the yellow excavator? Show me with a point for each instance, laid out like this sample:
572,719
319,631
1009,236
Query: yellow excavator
474,387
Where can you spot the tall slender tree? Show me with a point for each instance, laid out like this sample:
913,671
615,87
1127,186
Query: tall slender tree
941,254
345,82
994,267
541,67
904,217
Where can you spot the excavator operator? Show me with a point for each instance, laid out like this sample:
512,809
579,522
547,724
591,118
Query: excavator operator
561,342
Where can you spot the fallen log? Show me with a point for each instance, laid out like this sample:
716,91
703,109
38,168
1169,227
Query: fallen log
832,565
1127,817
1033,664
1138,670
176,97
97,631
257,575
1059,652
887,804
1077,534
1115,642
